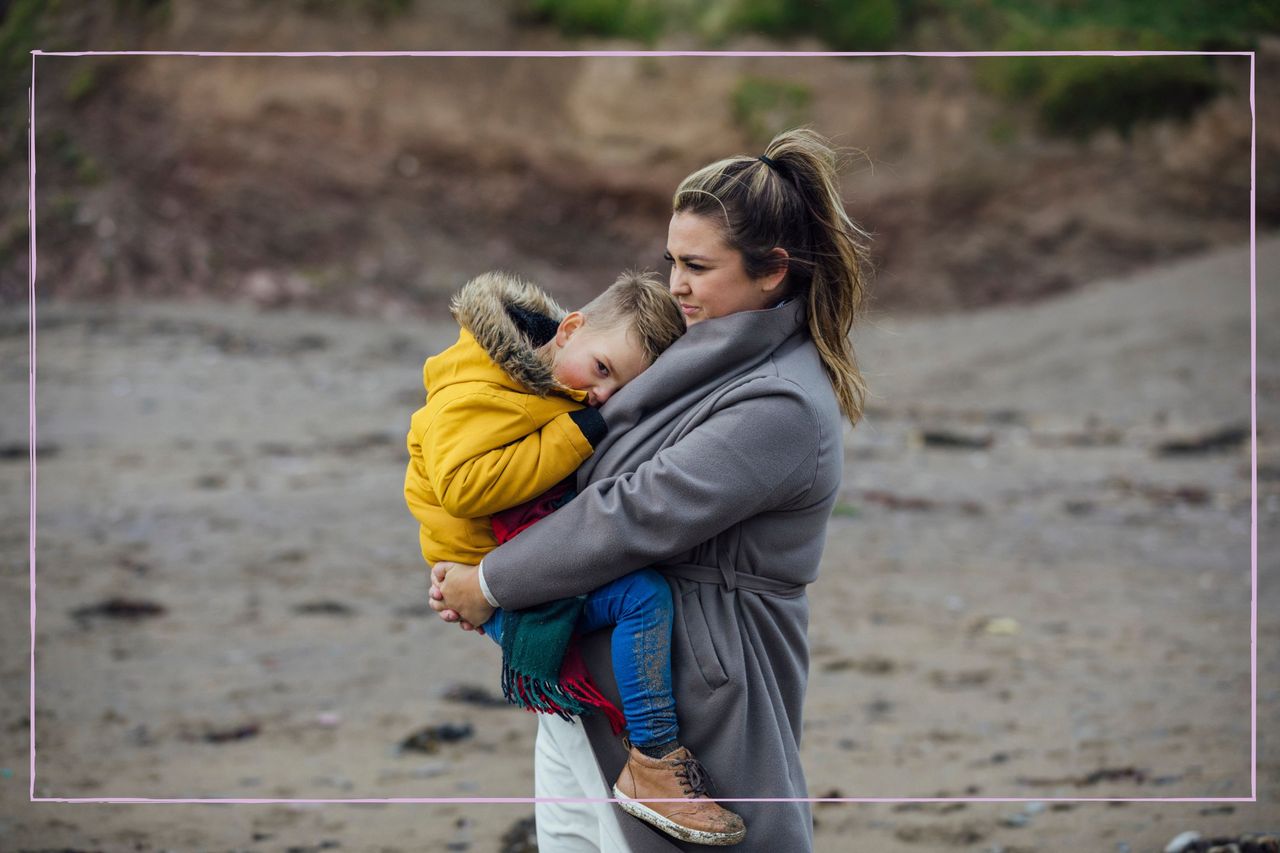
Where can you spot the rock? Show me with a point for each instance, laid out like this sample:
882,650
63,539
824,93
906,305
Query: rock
126,609
520,837
1000,626
955,441
324,608
1182,841
233,733
428,739
1223,440
471,694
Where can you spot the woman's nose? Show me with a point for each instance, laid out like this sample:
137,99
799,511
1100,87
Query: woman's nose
676,282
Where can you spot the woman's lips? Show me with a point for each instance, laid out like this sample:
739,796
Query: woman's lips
688,309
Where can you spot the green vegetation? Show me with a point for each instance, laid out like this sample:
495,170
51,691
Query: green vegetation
1081,95
152,11
632,19
844,510
1070,96
869,25
763,107
842,24
83,84
70,156
20,32
1122,24
1076,96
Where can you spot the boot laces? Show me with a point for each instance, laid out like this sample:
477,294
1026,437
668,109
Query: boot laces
694,776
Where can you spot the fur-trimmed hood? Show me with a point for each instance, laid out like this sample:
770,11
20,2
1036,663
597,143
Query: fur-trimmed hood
496,429
510,318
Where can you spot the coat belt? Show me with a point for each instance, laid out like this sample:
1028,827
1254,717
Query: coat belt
727,578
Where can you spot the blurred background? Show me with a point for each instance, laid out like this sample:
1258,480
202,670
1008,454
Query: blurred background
1037,578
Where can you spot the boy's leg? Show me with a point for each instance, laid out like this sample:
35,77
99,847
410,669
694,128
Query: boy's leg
662,783
493,628
639,607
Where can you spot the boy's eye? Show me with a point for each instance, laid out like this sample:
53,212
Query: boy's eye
601,368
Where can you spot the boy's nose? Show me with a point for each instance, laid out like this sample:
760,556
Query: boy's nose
596,397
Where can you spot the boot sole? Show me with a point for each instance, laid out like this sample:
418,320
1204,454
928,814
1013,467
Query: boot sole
637,809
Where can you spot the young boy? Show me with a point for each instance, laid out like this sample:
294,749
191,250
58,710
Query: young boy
510,414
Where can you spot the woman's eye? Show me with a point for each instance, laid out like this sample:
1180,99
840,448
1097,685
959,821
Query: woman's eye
666,256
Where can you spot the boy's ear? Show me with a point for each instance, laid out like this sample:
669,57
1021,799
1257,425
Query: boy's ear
571,323
770,281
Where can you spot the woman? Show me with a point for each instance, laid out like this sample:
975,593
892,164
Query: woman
720,468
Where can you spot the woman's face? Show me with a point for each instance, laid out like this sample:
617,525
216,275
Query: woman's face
707,276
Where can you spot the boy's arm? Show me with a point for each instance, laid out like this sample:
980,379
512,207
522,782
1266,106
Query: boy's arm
485,453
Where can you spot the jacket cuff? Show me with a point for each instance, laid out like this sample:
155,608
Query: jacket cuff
484,587
592,424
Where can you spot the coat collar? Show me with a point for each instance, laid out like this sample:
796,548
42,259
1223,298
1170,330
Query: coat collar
711,352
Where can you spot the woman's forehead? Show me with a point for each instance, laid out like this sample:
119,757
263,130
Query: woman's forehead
692,233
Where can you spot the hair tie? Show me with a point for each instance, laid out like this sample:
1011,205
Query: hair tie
768,162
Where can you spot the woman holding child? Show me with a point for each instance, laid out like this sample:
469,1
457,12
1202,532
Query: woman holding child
719,469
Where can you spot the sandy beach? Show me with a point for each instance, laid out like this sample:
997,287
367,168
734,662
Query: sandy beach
1036,584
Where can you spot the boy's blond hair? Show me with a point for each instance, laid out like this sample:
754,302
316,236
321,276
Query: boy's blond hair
643,303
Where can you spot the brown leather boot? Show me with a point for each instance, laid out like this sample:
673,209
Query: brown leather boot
697,818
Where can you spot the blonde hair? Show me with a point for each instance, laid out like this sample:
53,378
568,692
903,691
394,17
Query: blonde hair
643,303
792,201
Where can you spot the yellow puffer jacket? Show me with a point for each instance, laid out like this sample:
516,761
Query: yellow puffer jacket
497,429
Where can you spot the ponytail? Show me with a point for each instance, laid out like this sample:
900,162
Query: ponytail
789,198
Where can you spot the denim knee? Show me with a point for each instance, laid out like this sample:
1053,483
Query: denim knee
651,589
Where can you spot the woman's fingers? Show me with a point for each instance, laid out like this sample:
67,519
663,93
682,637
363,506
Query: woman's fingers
437,597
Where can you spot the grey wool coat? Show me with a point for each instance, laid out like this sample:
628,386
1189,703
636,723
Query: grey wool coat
720,468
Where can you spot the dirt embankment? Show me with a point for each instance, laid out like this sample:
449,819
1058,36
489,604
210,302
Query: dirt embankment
367,183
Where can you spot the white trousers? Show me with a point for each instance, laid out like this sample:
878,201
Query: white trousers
563,766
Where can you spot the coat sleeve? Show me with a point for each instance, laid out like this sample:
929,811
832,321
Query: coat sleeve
484,453
756,451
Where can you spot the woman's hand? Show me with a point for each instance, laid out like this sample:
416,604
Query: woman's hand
456,595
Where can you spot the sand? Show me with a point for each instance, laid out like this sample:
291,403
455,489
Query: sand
1036,584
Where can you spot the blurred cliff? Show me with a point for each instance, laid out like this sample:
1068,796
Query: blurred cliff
381,184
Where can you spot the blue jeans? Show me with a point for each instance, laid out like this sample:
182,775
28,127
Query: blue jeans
639,608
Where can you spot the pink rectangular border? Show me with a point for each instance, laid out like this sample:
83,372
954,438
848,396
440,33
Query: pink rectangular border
1253,414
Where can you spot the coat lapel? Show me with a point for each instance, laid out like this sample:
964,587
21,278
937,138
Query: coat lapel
709,356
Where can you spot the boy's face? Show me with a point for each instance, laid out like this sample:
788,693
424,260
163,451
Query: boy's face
598,361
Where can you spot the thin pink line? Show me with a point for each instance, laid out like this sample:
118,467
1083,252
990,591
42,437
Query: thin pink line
1253,421
266,801
638,53
31,411
535,54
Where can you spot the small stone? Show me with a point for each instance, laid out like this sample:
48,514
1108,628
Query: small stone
1001,626
1182,841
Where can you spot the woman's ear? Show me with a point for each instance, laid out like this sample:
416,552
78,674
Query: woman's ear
770,281
568,326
